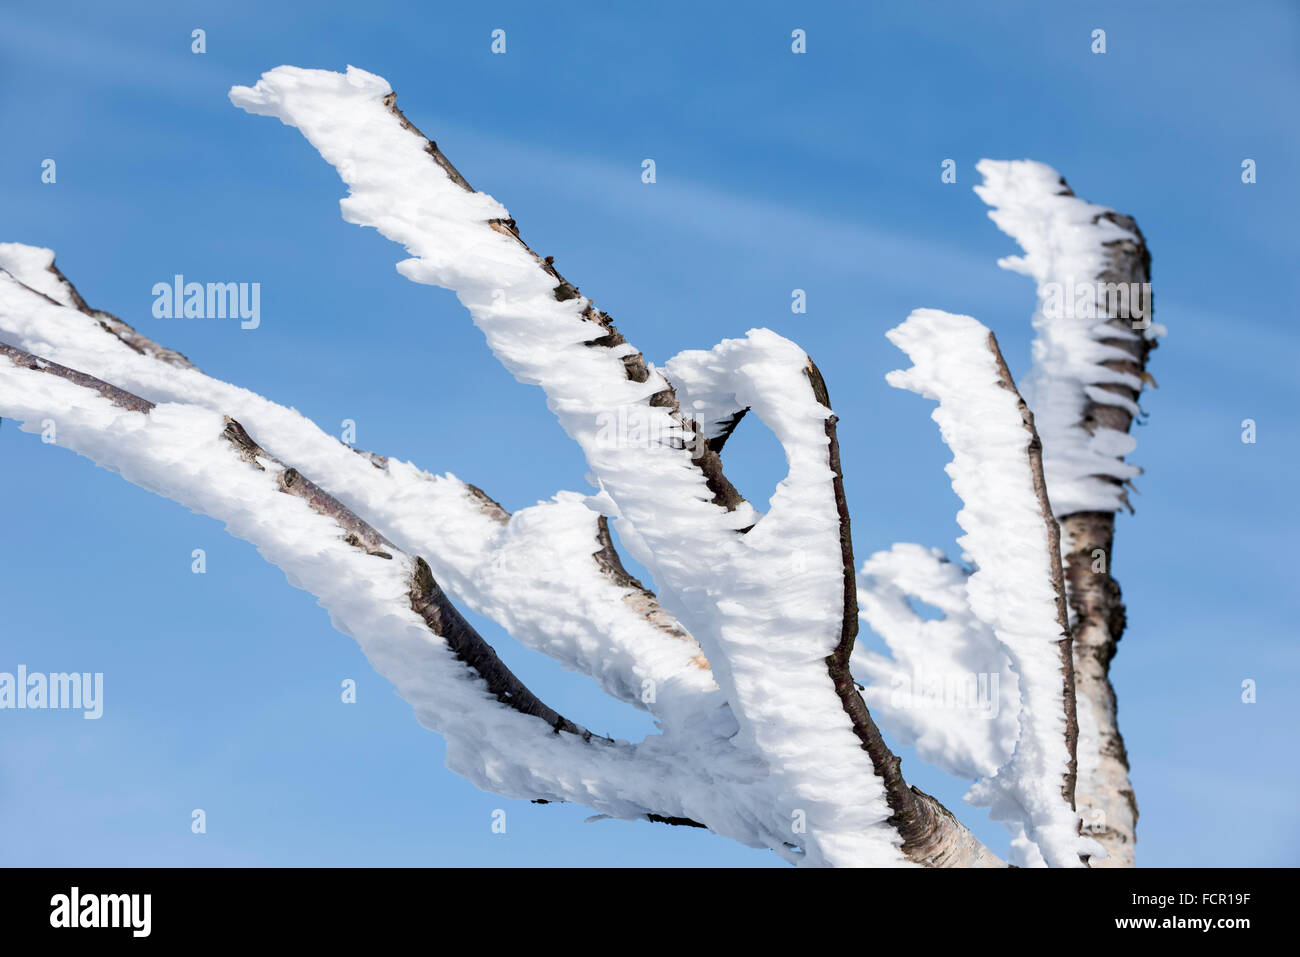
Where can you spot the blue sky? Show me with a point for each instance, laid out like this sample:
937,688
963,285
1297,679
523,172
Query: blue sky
775,171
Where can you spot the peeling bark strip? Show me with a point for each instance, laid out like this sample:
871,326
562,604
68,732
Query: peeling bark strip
121,330
639,597
932,836
430,602
606,558
426,597
489,505
108,322
706,457
358,533
119,397
674,821
1035,452
1094,595
725,429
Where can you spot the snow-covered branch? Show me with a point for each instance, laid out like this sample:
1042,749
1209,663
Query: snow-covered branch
210,463
550,575
1091,322
499,735
1094,336
1017,588
570,606
770,598
761,375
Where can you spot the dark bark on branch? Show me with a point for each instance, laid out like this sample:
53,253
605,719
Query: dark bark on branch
639,597
432,604
116,327
1034,449
931,835
674,821
489,505
725,430
642,599
119,397
706,458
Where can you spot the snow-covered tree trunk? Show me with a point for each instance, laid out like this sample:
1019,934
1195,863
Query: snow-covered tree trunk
1106,799
1090,371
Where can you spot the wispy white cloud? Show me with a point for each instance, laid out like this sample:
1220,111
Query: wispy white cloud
841,241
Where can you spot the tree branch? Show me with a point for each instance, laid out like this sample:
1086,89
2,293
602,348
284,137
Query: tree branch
619,636
1089,371
1017,589
537,323
426,598
931,835
694,772
706,455
499,735
1034,450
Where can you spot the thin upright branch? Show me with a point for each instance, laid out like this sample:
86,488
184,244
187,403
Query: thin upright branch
1017,589
931,835
1034,451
